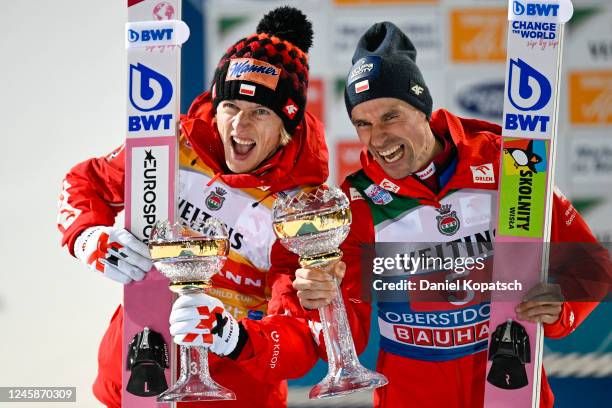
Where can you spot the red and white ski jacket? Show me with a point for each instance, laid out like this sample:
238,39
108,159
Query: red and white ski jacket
258,267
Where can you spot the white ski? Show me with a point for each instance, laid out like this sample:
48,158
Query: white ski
527,167
154,35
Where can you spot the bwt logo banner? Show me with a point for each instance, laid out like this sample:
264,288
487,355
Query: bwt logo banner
149,91
535,9
550,11
528,91
150,35
155,33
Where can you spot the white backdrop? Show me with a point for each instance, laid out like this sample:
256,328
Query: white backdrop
62,86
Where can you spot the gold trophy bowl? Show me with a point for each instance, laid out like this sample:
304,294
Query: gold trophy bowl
183,261
330,224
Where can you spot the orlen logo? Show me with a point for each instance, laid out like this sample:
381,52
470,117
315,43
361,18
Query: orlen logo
535,9
149,91
483,173
275,348
150,35
389,185
528,90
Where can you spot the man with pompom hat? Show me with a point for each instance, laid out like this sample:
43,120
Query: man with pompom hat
244,142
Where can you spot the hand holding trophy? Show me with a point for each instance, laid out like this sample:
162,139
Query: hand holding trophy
313,225
190,258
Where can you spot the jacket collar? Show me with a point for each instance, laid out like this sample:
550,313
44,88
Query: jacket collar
303,161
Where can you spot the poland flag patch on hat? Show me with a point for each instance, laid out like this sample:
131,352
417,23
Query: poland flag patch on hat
362,86
246,89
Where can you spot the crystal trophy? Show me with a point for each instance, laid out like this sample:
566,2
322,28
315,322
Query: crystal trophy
313,225
189,257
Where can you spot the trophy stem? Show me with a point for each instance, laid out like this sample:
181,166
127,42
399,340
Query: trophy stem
346,374
333,317
204,371
190,287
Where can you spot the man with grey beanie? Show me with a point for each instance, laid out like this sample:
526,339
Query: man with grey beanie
428,177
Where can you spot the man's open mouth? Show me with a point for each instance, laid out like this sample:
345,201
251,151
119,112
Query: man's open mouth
392,154
241,146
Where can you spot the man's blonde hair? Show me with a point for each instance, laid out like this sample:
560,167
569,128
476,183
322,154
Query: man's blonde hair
285,137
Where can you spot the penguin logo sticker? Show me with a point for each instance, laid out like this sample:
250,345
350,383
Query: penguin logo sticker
524,157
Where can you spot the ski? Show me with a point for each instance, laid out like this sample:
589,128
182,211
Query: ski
154,34
527,170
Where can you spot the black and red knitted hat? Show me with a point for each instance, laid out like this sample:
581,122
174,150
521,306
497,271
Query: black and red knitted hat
269,67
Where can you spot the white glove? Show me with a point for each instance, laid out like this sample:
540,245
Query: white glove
113,252
201,320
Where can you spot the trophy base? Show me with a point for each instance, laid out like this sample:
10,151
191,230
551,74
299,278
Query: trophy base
196,391
347,381
195,383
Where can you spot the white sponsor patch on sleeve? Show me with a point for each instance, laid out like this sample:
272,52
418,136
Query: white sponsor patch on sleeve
355,195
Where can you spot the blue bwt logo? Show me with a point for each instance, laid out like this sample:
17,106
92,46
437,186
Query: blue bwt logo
535,9
150,35
133,36
528,89
149,90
